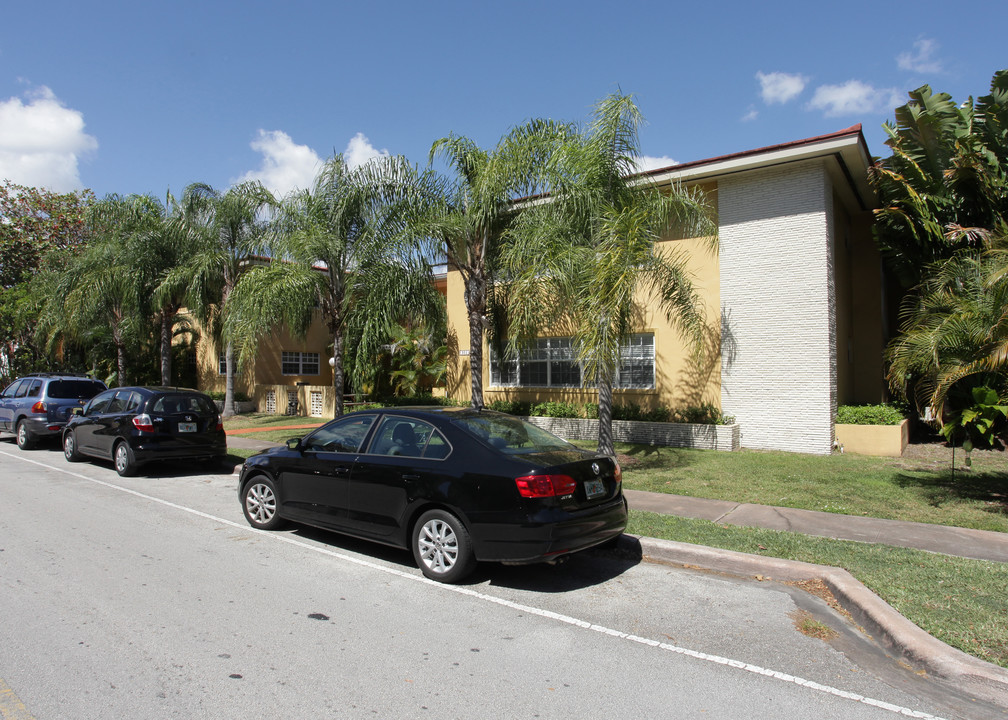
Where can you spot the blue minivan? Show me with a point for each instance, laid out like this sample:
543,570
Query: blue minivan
38,406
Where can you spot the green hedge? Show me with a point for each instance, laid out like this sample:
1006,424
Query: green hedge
869,415
706,414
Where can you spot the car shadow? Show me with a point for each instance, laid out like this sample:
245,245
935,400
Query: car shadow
579,571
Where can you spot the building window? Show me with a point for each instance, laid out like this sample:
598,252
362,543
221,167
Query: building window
222,364
552,362
299,363
637,358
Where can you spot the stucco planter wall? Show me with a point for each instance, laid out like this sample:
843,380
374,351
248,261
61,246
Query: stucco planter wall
885,440
240,407
702,437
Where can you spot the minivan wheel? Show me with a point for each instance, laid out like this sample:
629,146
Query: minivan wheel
441,547
125,463
70,451
25,439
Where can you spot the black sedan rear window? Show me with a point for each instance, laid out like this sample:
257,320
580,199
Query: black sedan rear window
512,435
74,389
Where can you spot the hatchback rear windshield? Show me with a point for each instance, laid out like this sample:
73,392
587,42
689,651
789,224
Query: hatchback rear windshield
74,389
512,435
179,403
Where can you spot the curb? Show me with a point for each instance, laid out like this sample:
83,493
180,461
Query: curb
983,680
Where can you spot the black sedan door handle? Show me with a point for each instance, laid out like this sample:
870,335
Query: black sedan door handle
410,477
342,471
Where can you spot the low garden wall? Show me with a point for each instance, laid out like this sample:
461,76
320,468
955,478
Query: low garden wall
885,440
684,435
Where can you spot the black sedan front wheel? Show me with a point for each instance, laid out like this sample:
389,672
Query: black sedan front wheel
442,548
259,502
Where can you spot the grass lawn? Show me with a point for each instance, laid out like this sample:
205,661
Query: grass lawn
918,487
960,601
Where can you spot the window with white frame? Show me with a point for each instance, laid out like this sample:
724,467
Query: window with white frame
552,362
299,363
637,362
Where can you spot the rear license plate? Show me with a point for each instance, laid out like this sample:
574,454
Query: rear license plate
187,427
594,488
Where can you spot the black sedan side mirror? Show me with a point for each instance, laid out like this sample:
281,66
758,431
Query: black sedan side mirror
294,443
77,411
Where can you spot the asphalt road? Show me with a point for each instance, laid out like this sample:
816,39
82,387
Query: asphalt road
150,597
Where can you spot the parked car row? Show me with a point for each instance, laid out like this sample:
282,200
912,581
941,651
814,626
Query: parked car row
130,426
454,485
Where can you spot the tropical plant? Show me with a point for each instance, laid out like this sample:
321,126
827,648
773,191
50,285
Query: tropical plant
227,231
338,249
418,358
467,215
976,423
954,331
581,258
948,169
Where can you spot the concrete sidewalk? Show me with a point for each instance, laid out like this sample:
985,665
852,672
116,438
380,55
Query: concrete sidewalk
963,542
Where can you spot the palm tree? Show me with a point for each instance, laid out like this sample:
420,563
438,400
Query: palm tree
469,213
229,232
955,327
580,259
338,249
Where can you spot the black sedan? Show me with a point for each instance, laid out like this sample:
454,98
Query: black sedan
132,426
454,485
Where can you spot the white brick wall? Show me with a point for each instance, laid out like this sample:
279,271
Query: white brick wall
778,373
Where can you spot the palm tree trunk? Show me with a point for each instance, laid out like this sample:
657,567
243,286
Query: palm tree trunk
121,362
337,373
229,408
605,436
475,298
166,338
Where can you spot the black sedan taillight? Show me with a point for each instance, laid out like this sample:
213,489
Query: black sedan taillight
540,486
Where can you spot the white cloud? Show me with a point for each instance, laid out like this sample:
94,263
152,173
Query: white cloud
751,115
778,87
649,162
922,60
285,166
853,98
359,150
42,141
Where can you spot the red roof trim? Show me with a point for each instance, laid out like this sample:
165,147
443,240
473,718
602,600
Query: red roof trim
853,130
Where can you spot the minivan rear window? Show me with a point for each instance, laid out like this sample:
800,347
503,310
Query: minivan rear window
74,389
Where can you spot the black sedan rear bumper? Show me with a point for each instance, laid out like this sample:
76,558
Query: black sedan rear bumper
548,534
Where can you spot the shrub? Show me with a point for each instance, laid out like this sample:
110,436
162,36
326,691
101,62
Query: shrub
511,407
555,409
218,395
703,414
869,415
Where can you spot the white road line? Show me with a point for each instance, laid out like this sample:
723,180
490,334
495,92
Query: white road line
549,614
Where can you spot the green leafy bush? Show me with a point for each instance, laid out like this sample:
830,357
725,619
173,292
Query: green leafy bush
511,407
869,415
218,395
555,409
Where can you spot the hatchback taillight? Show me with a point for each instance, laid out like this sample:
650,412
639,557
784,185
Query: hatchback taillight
539,486
143,423
617,473
39,407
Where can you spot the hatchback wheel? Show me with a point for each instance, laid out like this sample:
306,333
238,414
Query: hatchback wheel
25,439
70,451
125,463
259,501
442,548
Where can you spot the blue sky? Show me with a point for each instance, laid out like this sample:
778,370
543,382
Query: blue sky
144,97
